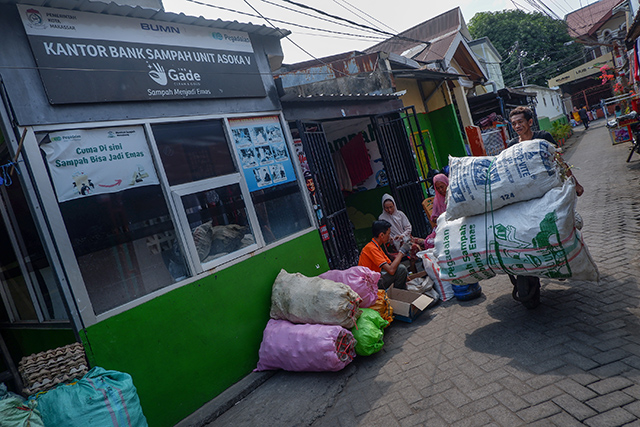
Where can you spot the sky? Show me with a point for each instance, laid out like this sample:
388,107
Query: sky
304,44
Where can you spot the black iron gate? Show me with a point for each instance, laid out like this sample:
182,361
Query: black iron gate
340,247
392,131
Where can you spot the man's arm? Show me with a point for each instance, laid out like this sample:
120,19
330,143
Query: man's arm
391,268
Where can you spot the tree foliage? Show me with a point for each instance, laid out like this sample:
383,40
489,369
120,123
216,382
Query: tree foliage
528,38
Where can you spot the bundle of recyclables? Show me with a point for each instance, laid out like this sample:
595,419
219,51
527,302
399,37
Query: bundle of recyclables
511,214
313,320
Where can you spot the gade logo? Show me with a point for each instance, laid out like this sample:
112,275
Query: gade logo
159,75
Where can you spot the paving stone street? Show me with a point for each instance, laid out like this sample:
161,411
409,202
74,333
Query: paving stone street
575,360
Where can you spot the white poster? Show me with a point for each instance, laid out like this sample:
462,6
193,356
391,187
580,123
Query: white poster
96,161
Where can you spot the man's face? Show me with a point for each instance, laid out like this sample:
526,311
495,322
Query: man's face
311,185
384,237
520,124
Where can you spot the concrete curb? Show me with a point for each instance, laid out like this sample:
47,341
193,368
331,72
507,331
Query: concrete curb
226,400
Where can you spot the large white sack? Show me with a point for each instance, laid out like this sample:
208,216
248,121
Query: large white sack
522,172
301,299
533,238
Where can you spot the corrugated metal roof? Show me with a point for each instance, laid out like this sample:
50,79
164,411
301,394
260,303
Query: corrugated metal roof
582,21
111,8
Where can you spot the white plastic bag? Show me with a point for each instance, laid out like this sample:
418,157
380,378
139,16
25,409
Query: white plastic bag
301,299
522,172
533,238
423,285
429,262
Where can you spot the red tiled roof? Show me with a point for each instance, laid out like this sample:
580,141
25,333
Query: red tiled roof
583,21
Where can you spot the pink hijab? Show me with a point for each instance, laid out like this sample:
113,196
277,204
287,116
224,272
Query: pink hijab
439,201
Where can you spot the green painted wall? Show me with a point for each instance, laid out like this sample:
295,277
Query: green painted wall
545,123
363,208
446,134
187,346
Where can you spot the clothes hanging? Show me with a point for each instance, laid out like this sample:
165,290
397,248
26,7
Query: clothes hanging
356,157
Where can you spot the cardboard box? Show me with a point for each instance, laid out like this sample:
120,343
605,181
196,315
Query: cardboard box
407,305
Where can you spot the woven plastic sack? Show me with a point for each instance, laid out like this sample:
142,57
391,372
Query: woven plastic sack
15,412
301,299
383,306
522,172
368,333
430,264
361,279
313,348
533,238
101,398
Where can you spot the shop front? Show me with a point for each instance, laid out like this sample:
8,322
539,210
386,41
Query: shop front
155,195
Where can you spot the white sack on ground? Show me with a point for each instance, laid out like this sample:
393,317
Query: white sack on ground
522,172
301,299
533,238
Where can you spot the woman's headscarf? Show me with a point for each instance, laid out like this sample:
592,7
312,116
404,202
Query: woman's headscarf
400,225
439,201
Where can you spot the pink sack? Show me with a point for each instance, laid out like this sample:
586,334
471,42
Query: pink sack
361,279
305,347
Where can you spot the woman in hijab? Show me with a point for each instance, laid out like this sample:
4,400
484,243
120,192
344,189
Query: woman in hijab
400,225
441,183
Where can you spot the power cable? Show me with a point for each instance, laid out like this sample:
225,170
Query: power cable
292,42
365,13
280,21
304,6
314,16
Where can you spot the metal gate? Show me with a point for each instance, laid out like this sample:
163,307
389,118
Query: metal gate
340,247
392,131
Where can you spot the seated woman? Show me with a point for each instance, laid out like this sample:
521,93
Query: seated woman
400,225
441,183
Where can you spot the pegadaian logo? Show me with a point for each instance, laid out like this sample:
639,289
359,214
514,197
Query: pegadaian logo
34,18
158,74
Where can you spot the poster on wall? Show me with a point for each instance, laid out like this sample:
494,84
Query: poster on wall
90,57
96,161
262,151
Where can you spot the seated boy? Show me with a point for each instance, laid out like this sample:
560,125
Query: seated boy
375,258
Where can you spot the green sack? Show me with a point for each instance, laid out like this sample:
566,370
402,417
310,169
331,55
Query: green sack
101,398
14,412
368,332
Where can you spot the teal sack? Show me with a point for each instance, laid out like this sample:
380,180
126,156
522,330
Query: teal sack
14,412
101,398
368,332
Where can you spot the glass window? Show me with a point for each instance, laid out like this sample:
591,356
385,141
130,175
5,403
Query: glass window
192,151
281,211
218,221
125,244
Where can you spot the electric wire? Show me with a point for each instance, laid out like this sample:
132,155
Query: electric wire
293,42
357,15
315,16
280,21
365,13
304,6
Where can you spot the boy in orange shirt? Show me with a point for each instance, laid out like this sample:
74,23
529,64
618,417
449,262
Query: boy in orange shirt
376,259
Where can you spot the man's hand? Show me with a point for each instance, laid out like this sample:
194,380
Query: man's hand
406,247
579,189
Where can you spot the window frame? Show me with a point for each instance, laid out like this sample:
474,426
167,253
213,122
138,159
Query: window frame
76,292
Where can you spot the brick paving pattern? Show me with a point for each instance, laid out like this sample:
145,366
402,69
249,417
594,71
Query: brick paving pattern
575,360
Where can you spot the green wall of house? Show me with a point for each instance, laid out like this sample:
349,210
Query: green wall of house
445,135
187,346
